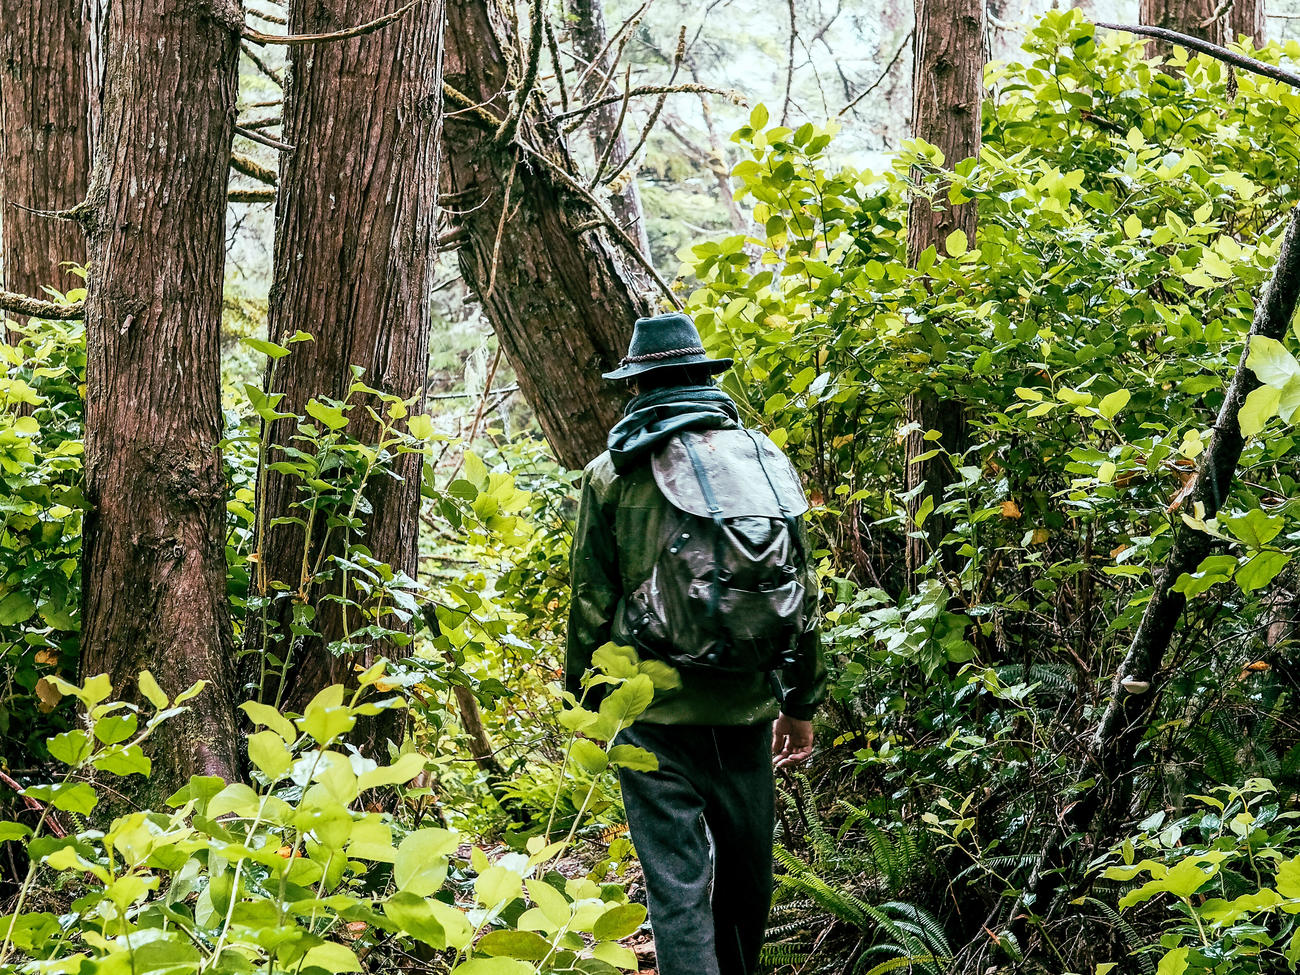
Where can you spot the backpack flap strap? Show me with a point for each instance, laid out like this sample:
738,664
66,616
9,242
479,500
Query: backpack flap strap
714,511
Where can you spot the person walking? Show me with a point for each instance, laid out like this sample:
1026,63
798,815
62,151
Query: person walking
690,548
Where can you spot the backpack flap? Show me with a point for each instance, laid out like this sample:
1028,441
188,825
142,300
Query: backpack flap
748,474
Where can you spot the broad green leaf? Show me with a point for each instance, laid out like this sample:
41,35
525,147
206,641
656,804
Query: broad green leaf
1256,527
406,768
150,689
421,864
16,607
325,724
619,922
589,756
266,348
267,751
628,700
264,714
13,831
113,728
1271,362
493,966
1174,962
634,758
613,953
77,797
515,944
236,798
1112,403
123,760
549,901
331,956
956,244
1262,568
331,416
455,925
71,747
414,916
614,660
497,885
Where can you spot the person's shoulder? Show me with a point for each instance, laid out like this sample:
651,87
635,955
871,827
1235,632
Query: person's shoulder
600,474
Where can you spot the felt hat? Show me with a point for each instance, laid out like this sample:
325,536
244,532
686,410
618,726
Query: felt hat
662,341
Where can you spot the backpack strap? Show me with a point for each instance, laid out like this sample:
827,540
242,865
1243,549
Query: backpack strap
715,512
789,518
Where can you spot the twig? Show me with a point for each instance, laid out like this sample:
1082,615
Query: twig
51,820
269,18
268,122
613,134
690,88
506,133
613,38
1212,50
603,84
51,311
265,140
252,168
261,65
467,104
789,66
883,75
292,40
482,403
618,232
654,115
554,46
501,230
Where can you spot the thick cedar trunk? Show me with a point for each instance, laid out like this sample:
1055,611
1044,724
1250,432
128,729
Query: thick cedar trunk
1195,17
154,566
1246,17
354,249
45,135
561,299
947,89
587,27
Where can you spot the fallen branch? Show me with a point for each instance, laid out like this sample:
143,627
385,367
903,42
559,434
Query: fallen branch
1212,50
52,311
1135,691
293,40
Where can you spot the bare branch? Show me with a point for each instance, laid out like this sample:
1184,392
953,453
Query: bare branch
269,18
265,140
519,104
654,115
883,75
267,122
53,311
614,132
467,106
251,196
260,64
1211,50
620,235
789,66
252,168
293,40
614,38
554,46
689,88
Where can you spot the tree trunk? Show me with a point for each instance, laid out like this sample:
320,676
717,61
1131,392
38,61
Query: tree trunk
947,89
561,299
1195,17
587,27
355,243
46,88
1246,17
154,566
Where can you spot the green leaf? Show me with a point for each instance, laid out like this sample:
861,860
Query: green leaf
77,797
414,916
15,608
619,922
71,747
1260,570
267,751
457,927
1112,403
1256,527
589,756
1174,962
236,798
123,760
476,471
497,885
266,348
325,724
758,117
553,904
956,244
13,831
493,966
400,772
614,660
515,944
421,863
1271,362
264,714
634,758
331,416
1212,570
1261,406
628,700
332,957
150,689
113,728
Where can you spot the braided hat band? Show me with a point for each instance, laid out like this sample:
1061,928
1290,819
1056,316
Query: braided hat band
656,356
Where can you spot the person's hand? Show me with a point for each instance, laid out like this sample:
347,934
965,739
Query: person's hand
792,741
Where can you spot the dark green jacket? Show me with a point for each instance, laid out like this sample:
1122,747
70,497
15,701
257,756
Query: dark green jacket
614,550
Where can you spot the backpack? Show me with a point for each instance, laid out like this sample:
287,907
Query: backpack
726,593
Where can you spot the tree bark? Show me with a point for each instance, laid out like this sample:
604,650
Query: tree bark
947,90
46,93
354,250
1246,17
587,28
1195,17
154,566
559,296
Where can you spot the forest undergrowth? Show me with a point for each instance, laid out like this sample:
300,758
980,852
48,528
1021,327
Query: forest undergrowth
1129,214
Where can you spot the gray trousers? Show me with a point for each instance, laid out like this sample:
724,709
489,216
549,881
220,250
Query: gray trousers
713,793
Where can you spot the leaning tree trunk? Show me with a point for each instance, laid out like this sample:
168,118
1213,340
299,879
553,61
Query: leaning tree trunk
560,297
154,566
46,90
354,249
947,89
590,39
